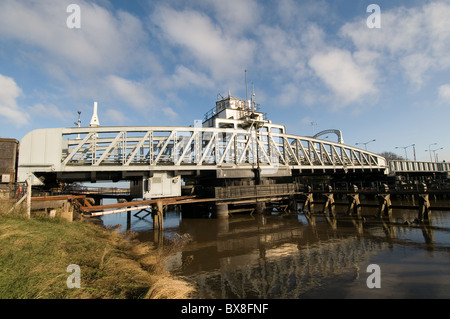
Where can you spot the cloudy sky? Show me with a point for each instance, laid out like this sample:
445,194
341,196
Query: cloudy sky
313,65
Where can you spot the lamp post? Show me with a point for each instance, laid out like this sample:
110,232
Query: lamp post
434,153
365,144
429,150
405,147
78,123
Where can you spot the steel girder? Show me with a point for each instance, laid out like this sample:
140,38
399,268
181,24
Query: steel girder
178,146
184,148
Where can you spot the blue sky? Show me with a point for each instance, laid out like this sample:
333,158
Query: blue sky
165,62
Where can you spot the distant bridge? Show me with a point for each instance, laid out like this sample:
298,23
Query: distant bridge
401,166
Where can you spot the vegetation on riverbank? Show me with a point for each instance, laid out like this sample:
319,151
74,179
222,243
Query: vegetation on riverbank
35,254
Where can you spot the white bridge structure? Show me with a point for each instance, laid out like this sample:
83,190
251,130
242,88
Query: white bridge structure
402,167
234,141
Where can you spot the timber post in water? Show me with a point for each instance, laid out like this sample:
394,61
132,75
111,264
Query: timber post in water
329,202
354,206
424,203
157,214
385,204
309,203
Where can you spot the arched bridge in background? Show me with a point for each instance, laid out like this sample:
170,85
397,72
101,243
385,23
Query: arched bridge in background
338,133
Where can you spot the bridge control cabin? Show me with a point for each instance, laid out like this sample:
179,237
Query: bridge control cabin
231,112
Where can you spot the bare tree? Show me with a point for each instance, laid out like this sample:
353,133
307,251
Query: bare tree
391,156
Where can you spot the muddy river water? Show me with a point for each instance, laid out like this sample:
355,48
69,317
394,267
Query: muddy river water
278,256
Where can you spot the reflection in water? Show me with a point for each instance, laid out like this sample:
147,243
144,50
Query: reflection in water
310,255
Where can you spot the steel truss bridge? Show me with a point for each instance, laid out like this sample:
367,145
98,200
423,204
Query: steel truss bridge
111,153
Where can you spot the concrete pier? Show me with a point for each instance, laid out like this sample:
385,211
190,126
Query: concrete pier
222,210
260,207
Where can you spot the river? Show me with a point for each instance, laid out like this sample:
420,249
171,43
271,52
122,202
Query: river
279,256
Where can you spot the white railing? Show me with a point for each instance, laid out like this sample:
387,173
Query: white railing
397,166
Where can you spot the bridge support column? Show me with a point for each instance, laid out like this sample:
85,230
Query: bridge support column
222,210
329,202
260,207
309,203
384,200
157,214
354,206
424,204
293,205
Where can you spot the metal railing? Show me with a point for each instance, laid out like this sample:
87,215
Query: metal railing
397,166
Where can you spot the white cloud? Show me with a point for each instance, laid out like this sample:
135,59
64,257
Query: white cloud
237,16
170,113
282,49
185,77
300,13
132,93
116,117
211,48
444,93
106,41
413,41
52,111
9,109
339,71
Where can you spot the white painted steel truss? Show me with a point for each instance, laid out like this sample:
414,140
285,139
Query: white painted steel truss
185,148
181,146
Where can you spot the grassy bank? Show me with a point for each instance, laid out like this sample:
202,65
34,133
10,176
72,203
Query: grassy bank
35,254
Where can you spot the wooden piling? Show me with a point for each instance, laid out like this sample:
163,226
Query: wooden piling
29,197
309,203
329,202
157,213
424,204
385,204
354,206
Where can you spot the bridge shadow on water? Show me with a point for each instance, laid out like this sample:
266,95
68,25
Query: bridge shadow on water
301,255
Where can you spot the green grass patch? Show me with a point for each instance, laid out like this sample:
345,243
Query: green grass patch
35,254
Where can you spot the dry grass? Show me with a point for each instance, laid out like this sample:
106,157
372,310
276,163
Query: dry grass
169,288
35,253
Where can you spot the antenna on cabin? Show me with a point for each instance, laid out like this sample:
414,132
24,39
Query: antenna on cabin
246,89
253,103
78,123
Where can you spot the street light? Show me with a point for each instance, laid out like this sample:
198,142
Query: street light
434,153
405,147
429,150
365,144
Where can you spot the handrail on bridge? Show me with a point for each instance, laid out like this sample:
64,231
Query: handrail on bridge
417,166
